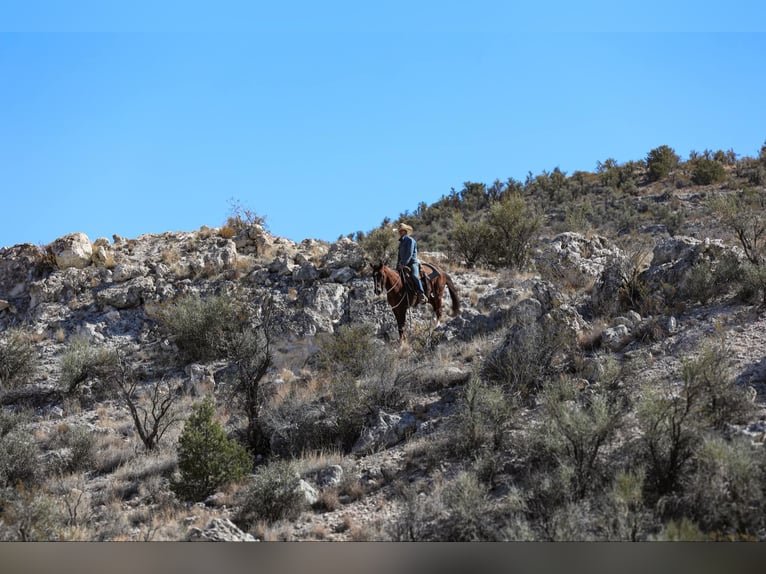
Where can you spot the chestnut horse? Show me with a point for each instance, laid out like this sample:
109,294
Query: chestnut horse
401,298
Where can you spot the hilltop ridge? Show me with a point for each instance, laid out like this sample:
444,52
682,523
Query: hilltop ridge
606,384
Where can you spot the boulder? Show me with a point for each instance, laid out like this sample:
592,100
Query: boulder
331,475
344,253
615,338
73,250
126,295
219,530
385,430
309,493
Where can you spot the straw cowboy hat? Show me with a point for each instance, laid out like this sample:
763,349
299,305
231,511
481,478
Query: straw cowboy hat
405,227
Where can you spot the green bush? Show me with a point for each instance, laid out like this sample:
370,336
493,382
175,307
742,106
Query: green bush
29,514
707,171
18,359
670,433
707,280
248,349
207,459
725,493
745,215
380,245
483,416
467,503
579,430
660,162
719,400
627,518
530,355
273,495
200,327
351,351
19,458
512,225
83,360
470,240
752,283
80,449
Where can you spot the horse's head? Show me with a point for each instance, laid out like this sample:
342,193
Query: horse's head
378,279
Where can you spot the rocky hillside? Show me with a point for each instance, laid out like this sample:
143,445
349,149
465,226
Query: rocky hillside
602,393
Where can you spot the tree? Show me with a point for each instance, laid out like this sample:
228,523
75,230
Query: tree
707,171
380,245
154,414
248,348
207,459
660,162
470,239
512,225
745,215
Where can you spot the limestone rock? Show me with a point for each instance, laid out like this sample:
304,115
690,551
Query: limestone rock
615,338
126,295
344,253
385,430
219,530
73,250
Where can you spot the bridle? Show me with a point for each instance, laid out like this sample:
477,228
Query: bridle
379,279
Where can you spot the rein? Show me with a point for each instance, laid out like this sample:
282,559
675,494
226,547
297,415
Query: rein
404,294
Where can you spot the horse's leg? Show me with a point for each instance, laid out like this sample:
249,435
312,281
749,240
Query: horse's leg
436,303
401,317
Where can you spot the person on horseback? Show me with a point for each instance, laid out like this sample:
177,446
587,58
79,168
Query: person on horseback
408,257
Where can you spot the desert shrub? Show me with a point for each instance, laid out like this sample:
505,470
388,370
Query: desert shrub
708,279
745,215
10,420
207,459
670,432
299,424
752,283
470,240
154,410
466,502
530,355
672,217
248,349
29,514
707,171
719,399
512,225
79,446
380,245
417,512
18,359
19,458
273,494
581,426
681,530
200,326
626,518
365,376
725,493
241,217
83,360
660,162
483,416
351,351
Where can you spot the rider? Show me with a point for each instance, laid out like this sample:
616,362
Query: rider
408,257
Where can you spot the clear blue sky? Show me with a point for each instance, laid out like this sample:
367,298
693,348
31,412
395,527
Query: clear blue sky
326,117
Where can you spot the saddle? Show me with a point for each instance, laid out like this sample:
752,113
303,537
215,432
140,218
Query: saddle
409,281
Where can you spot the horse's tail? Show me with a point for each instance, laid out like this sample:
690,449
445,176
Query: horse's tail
453,295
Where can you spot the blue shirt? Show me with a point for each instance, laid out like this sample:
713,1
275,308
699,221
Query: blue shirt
408,251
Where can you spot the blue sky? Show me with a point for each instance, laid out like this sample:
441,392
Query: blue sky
129,118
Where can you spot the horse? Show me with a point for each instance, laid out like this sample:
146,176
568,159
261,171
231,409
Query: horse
401,297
